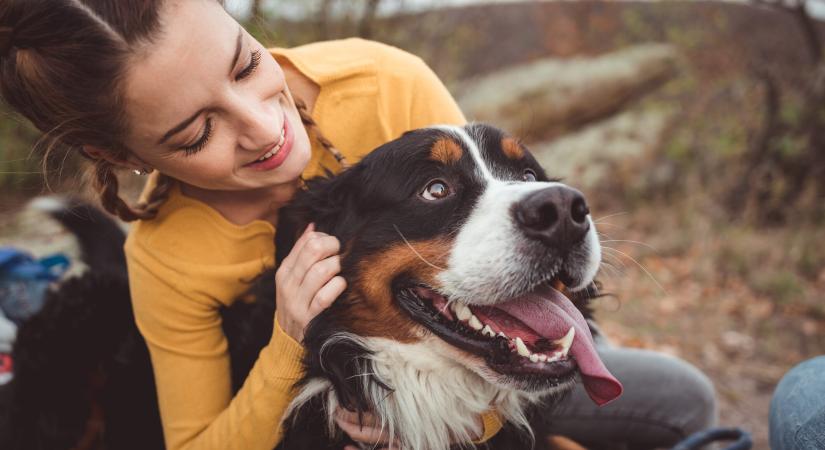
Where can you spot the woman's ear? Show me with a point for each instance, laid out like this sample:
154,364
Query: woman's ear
129,162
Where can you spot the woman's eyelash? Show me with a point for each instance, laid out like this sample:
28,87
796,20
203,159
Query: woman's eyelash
255,60
253,64
198,146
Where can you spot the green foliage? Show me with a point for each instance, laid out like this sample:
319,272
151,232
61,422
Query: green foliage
636,27
782,286
19,167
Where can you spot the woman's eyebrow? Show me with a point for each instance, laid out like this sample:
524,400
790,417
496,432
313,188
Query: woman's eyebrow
181,126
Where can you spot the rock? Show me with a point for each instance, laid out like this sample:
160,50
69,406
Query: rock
586,156
551,96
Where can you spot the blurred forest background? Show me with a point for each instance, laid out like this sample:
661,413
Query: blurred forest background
697,129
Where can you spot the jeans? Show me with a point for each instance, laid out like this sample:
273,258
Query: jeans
797,416
664,400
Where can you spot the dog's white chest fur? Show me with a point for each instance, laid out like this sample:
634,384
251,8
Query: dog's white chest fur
436,399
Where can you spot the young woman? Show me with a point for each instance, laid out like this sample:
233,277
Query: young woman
227,128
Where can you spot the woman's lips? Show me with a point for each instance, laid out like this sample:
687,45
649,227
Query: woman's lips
278,158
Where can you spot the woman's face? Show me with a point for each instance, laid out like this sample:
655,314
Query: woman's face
209,106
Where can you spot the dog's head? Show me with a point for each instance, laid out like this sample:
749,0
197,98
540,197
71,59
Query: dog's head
456,233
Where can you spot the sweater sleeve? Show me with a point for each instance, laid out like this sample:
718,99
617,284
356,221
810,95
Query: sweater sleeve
192,372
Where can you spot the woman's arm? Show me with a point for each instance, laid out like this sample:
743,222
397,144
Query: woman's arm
182,329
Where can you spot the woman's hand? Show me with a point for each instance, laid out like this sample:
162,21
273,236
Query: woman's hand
307,281
368,430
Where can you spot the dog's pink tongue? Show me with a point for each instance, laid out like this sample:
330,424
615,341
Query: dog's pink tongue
549,313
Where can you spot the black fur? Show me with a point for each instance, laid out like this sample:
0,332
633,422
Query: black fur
368,207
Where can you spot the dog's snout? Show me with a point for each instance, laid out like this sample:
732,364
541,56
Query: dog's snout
556,216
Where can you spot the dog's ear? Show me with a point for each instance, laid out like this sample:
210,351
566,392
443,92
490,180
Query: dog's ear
329,202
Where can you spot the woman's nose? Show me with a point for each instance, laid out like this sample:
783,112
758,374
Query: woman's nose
259,125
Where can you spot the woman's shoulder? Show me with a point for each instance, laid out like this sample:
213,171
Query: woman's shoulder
327,61
187,231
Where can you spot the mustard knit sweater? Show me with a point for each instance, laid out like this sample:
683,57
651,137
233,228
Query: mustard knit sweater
189,261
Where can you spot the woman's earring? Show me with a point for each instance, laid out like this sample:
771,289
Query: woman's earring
140,171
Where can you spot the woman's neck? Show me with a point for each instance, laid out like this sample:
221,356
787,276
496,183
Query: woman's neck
243,207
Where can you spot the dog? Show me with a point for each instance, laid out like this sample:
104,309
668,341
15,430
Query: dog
468,270
457,248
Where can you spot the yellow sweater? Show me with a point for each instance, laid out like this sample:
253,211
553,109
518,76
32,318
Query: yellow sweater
189,261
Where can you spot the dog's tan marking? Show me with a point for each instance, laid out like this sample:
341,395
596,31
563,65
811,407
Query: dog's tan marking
563,443
372,310
446,151
512,149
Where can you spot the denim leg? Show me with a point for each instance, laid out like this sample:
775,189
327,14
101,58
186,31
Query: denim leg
797,416
664,400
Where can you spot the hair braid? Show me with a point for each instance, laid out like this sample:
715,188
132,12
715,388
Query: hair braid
309,122
157,197
108,186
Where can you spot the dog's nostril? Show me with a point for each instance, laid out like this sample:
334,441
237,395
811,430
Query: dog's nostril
547,216
579,210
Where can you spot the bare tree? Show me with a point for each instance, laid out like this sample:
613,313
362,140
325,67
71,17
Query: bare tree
257,9
773,180
365,27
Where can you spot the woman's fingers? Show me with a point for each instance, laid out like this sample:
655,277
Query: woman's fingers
365,429
318,247
364,434
327,295
289,260
306,281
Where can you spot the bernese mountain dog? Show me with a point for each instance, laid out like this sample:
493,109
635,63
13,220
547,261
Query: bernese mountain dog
468,271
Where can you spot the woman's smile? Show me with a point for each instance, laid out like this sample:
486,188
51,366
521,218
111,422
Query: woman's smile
275,154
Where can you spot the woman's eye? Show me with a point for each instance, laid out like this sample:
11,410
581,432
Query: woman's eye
202,141
529,175
254,61
436,190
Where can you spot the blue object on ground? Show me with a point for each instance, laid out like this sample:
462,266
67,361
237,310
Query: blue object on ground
24,281
698,440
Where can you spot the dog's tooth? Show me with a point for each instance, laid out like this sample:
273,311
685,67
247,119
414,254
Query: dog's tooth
475,323
521,348
567,341
543,358
452,306
534,358
487,331
502,335
556,357
463,312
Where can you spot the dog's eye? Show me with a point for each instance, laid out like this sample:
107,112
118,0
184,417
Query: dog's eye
529,175
436,190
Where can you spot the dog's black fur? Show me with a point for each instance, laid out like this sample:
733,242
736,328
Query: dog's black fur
83,348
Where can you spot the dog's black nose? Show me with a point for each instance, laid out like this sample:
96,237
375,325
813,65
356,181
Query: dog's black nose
556,216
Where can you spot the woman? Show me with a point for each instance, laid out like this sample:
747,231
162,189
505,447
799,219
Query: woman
178,88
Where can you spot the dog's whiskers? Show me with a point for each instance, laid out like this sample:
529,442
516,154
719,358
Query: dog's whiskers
630,242
600,220
416,251
652,278
614,271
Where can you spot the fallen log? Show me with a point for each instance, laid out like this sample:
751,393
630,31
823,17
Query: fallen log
550,97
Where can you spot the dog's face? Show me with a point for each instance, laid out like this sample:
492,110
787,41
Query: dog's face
454,237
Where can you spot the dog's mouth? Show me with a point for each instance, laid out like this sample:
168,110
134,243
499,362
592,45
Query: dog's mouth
540,337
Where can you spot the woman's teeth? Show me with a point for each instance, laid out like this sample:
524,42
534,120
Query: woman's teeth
275,149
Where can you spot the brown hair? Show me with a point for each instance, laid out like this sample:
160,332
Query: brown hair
62,64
